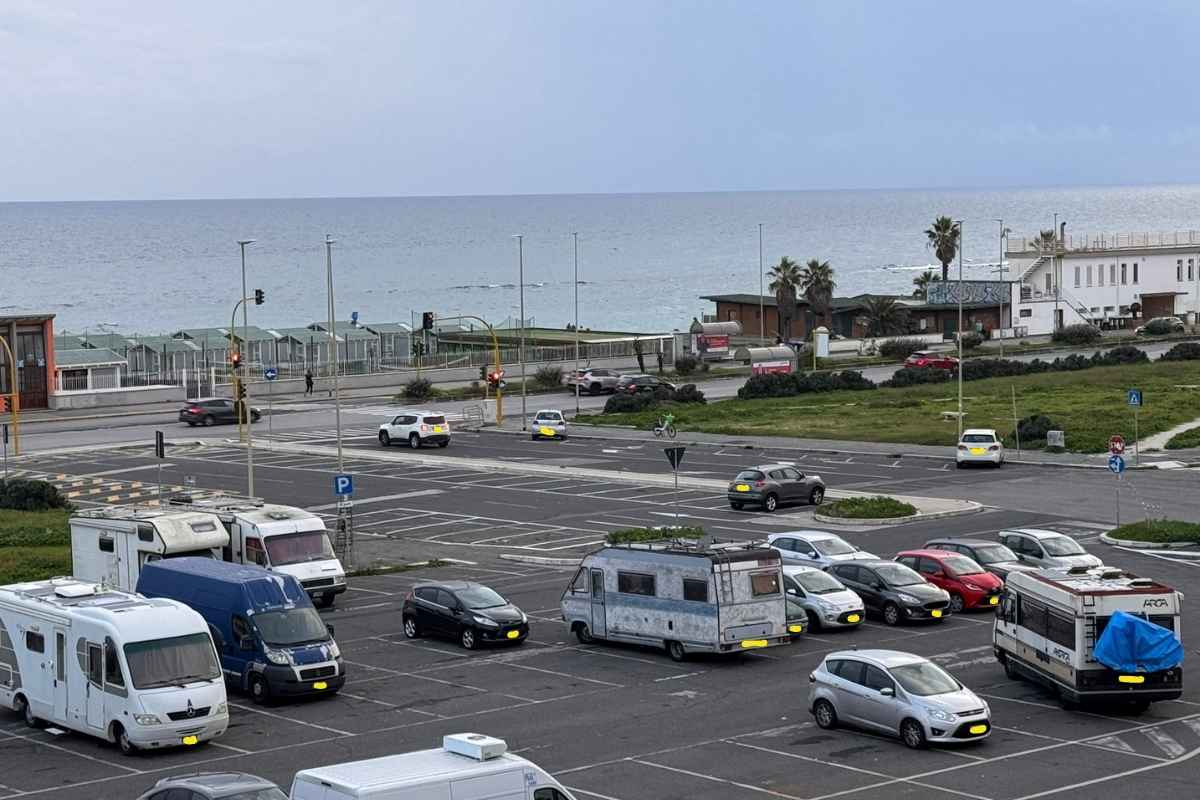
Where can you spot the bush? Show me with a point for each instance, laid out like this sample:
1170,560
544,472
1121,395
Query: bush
418,389
976,369
1034,428
1157,327
1071,363
686,363
1158,530
628,403
1122,354
868,508
1186,440
548,377
1080,334
971,340
771,385
776,385
900,349
915,376
1184,351
688,393
27,495
665,533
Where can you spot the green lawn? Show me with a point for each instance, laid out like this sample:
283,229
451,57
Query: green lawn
868,508
1158,530
33,545
1189,438
1089,405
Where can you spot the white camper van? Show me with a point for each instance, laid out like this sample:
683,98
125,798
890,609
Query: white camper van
109,545
141,673
467,765
280,538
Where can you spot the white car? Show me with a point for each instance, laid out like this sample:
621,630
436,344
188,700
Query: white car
1047,549
818,549
549,424
416,428
979,446
825,599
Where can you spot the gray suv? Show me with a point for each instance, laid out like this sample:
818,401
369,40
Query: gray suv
214,786
772,485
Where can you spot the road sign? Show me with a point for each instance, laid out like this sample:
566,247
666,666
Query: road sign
674,455
1116,444
1134,398
270,373
343,485
160,446
1116,464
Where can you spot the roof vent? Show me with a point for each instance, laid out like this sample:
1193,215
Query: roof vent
1141,583
474,745
75,590
1111,573
279,515
1078,570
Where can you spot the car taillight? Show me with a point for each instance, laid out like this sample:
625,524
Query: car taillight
408,596
424,429
194,409
760,484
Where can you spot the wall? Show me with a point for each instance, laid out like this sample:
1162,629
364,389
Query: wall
747,314
112,398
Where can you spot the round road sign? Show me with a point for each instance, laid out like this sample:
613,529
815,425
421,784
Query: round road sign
1116,444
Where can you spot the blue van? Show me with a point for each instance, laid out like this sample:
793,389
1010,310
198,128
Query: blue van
271,640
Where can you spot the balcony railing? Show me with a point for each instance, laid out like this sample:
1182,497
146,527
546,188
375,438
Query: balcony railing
1085,243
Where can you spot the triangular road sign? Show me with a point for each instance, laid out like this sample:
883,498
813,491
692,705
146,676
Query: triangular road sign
674,455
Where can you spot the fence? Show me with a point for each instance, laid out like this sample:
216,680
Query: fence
1082,243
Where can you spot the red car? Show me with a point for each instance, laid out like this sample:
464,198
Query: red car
927,360
969,585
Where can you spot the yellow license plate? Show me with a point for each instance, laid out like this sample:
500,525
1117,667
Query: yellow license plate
853,618
937,612
977,451
1131,679
320,685
513,634
437,428
995,601
795,629
750,644
978,729
191,739
547,432
741,487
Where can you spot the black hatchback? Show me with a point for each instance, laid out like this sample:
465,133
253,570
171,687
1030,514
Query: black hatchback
210,412
469,612
893,591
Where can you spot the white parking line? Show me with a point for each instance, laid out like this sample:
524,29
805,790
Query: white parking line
715,779
41,743
290,719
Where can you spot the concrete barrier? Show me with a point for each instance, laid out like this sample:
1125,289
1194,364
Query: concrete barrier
114,398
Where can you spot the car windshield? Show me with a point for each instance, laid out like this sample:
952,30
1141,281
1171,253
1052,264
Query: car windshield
832,547
924,679
293,626
172,662
549,416
749,475
1062,546
257,794
898,575
979,438
298,548
818,582
961,565
994,554
480,597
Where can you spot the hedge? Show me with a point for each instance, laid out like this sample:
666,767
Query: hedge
28,495
626,403
792,384
900,348
685,363
626,535
1161,531
1080,334
868,508
548,377
1184,351
971,340
913,376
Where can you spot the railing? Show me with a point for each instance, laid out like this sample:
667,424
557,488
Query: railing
1083,243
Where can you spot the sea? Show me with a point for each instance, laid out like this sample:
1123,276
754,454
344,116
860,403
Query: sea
644,260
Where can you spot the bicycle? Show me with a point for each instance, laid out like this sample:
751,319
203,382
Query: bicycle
665,425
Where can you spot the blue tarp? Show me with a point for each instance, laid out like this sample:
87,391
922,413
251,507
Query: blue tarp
1132,644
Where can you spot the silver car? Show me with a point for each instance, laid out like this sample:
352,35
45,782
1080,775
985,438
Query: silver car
549,423
901,694
214,786
826,600
1047,549
819,549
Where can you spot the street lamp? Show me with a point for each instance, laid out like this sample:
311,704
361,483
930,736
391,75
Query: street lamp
1000,322
337,395
244,408
762,320
959,224
575,237
521,346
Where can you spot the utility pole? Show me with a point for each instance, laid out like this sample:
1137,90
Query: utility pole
959,223
762,320
575,237
337,394
1000,321
521,346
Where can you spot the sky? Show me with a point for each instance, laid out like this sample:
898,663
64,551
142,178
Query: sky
147,100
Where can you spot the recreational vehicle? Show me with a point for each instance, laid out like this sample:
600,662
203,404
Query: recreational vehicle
141,673
110,545
685,598
1050,624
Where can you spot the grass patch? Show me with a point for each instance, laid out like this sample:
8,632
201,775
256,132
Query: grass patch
1189,438
19,564
628,535
380,568
1089,405
1161,531
34,528
868,508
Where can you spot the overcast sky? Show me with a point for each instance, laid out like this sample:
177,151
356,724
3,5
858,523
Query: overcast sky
122,100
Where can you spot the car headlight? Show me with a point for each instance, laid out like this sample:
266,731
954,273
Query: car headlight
334,652
486,622
223,708
909,599
940,715
971,587
281,657
147,719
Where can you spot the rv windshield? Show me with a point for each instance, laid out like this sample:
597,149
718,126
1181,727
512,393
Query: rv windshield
297,548
172,662
816,582
294,626
1062,546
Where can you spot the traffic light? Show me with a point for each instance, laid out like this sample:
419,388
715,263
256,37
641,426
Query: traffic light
418,348
235,359
427,320
496,379
483,373
259,297
241,391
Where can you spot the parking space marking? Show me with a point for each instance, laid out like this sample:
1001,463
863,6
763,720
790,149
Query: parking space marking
561,674
577,790
1109,743
223,746
69,751
715,779
1106,778
289,719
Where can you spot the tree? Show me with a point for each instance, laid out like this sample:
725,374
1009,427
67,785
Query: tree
922,282
1044,242
785,281
817,284
885,316
943,238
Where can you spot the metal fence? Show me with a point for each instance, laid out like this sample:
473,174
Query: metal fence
1086,242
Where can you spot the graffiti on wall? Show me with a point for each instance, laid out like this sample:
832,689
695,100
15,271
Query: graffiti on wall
973,292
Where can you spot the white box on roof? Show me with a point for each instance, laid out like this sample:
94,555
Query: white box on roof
474,745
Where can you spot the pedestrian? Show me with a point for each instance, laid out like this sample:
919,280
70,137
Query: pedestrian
308,381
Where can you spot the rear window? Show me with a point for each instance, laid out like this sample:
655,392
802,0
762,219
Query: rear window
749,475
435,420
979,438
764,584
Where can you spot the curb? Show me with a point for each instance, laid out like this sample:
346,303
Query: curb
973,508
1133,544
550,562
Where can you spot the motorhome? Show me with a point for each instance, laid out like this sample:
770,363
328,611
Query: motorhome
140,673
1050,622
279,538
684,597
468,765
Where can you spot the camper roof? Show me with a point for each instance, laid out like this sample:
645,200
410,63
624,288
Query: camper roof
138,618
408,768
251,509
723,552
1101,580
180,529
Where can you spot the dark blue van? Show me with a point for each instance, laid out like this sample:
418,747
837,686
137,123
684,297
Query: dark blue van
272,641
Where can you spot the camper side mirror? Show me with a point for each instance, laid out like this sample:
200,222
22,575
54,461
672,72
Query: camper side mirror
888,691
246,643
329,629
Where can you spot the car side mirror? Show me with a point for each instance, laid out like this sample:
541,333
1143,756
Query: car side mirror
812,555
877,586
793,592
888,691
246,644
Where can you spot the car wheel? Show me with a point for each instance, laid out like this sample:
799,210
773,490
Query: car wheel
735,505
675,651
255,416
126,747
534,437
583,634
891,614
594,389
410,628
1010,671
384,439
956,603
1067,703
208,420
191,424
467,639
770,503
260,693
443,444
825,714
22,707
959,465
817,496
414,441
913,734
814,622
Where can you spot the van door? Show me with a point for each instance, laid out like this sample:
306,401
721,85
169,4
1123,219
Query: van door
95,686
599,612
109,572
61,691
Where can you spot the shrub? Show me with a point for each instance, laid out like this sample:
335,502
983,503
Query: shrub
1071,363
971,340
977,369
1158,530
1184,351
1034,428
868,508
665,533
1122,354
1080,334
686,363
29,495
548,377
772,385
776,385
418,389
900,348
915,376
688,393
1157,327
627,403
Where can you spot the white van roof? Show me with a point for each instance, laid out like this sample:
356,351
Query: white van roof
411,769
181,529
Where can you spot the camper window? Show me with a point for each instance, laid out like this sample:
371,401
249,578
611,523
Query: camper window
95,664
1031,615
695,590
112,665
254,552
106,544
146,533
35,642
764,583
548,794
1060,629
635,583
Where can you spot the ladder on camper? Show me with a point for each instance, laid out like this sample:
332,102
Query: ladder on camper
724,569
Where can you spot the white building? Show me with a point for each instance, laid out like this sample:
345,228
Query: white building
1109,281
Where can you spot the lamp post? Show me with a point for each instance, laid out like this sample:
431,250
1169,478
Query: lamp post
959,223
1000,321
337,395
762,320
575,237
521,344
243,432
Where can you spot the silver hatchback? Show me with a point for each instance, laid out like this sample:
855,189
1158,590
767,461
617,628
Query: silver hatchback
901,694
214,786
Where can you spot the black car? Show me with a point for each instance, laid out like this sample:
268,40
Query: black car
469,612
992,556
635,384
893,591
210,412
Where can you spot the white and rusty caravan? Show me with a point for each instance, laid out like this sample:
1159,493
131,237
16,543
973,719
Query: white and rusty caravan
683,597
110,545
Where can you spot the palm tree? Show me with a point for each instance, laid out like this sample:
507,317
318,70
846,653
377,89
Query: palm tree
885,316
943,238
922,282
817,284
785,279
1044,241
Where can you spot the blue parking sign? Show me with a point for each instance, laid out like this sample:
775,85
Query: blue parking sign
343,485
1134,398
